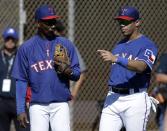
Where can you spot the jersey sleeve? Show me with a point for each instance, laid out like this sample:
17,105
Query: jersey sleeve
162,68
148,54
20,67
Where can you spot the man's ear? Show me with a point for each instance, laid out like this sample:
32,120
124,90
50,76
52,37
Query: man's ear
38,23
138,23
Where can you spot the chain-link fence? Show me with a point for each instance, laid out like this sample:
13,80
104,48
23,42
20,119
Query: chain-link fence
94,28
9,10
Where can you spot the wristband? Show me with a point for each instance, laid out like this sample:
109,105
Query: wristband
122,61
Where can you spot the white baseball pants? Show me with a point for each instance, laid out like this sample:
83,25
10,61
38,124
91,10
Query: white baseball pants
129,110
55,113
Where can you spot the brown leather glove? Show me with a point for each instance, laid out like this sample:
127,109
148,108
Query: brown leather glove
62,60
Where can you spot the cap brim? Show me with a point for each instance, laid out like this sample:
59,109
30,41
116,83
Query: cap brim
124,18
11,36
51,17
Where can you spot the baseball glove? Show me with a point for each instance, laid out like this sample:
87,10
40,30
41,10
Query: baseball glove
61,60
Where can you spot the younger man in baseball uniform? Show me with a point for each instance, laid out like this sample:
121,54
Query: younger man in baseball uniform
127,102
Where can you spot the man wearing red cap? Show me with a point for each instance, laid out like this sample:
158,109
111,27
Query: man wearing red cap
127,103
35,66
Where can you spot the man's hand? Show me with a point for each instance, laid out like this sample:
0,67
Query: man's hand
107,56
22,118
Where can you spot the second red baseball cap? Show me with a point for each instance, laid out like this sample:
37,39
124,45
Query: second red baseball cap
128,13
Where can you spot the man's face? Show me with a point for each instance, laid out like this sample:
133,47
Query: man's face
10,43
127,27
47,26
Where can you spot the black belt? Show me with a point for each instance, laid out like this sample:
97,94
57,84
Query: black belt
124,90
